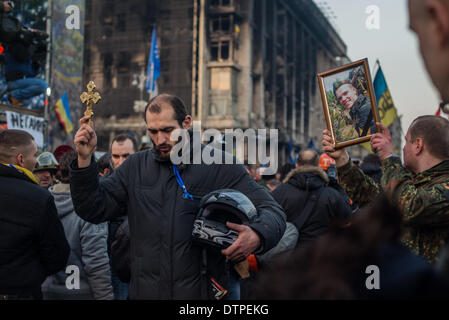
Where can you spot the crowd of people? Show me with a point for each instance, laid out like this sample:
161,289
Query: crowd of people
134,225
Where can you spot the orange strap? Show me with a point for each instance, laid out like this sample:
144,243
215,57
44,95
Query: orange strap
252,261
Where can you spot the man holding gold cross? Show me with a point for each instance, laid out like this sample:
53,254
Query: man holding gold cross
162,201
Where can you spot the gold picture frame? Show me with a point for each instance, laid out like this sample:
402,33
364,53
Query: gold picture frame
349,103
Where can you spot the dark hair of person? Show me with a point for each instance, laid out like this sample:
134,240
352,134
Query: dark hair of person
123,137
285,170
104,163
64,164
434,130
12,142
155,106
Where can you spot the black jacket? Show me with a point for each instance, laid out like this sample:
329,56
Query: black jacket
32,240
165,264
120,251
292,195
373,170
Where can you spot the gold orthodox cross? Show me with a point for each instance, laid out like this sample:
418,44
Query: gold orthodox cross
89,98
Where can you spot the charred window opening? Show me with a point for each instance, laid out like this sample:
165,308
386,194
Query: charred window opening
220,50
221,24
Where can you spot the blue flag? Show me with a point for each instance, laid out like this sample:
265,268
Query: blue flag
154,66
290,150
311,145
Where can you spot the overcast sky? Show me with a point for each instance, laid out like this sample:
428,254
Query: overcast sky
394,45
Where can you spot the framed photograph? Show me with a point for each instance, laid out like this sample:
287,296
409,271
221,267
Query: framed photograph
349,103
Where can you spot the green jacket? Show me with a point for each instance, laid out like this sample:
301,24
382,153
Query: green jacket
422,198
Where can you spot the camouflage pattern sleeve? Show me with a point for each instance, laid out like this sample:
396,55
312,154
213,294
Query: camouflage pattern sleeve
424,202
393,169
359,187
421,198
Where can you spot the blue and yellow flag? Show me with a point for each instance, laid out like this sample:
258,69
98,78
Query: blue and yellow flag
63,112
385,105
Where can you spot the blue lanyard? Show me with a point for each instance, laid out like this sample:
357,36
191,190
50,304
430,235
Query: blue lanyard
181,184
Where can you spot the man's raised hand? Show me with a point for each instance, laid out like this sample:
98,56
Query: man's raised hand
341,157
85,142
382,143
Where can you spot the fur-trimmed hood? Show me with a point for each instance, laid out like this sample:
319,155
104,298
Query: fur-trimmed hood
307,177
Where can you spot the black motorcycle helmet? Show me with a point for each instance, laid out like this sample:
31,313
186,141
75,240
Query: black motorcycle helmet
217,208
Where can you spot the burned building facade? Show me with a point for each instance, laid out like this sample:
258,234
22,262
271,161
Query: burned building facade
235,63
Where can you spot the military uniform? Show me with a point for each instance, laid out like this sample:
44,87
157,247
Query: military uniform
342,125
360,113
422,198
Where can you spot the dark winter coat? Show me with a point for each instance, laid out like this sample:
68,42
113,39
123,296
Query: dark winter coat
120,251
32,241
292,195
165,264
373,170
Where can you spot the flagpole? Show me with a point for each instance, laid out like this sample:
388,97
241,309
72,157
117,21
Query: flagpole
377,65
152,65
48,98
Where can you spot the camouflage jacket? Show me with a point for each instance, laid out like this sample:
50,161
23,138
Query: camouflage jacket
359,113
422,198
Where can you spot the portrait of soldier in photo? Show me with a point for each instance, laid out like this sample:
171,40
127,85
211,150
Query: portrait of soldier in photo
349,104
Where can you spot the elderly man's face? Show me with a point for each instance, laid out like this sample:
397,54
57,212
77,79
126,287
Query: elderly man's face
346,95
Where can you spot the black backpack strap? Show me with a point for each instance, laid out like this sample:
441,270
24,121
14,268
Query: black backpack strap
309,207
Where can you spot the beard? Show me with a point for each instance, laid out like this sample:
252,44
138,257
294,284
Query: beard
163,154
166,154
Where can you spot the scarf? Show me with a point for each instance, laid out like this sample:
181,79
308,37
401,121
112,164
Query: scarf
24,171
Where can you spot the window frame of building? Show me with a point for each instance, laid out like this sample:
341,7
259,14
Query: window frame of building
124,59
219,44
120,24
219,20
222,3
